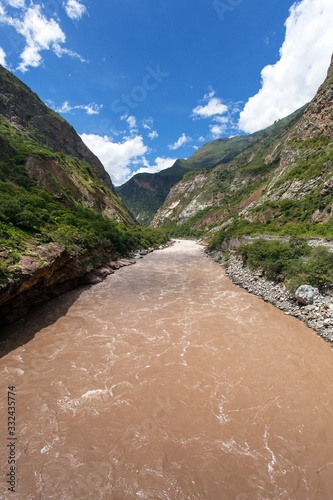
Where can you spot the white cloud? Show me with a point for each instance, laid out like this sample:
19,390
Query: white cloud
148,123
304,59
18,4
159,164
124,159
220,127
217,130
214,106
117,157
75,9
130,120
60,51
153,135
91,109
40,34
183,139
2,57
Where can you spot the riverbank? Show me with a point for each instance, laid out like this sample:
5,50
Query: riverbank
317,316
51,271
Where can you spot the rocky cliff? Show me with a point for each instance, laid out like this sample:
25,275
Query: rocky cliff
51,151
60,217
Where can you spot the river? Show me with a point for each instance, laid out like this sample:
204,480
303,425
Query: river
166,381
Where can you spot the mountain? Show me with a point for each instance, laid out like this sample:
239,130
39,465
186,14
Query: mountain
145,193
51,151
281,183
60,216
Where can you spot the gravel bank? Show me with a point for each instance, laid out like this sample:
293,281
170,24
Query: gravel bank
317,316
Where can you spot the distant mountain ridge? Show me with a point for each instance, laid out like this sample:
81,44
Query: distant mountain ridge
144,194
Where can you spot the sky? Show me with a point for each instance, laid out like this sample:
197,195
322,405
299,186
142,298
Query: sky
145,82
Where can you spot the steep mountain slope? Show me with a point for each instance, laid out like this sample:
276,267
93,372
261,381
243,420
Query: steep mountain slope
145,193
60,216
281,184
206,189
33,136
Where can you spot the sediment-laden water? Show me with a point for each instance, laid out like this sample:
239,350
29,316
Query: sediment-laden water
166,381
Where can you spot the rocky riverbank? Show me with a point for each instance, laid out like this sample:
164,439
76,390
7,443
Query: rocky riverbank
51,270
318,315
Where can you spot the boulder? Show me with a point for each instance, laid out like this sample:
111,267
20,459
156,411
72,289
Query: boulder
306,294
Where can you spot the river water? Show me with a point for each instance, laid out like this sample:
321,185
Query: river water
166,381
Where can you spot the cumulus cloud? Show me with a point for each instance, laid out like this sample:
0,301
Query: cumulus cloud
220,115
213,106
295,78
124,159
117,157
91,109
75,9
183,139
217,130
40,34
131,120
2,57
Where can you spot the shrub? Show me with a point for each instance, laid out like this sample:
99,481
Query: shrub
295,260
319,268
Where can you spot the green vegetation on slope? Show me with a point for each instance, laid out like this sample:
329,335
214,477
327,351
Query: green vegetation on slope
30,216
294,262
145,193
53,189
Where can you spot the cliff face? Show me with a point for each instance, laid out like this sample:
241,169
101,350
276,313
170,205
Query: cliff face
281,182
317,121
51,151
26,112
60,217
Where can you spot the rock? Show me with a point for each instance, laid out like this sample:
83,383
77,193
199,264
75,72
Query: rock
306,294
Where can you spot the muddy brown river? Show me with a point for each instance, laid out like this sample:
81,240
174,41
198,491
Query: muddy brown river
166,381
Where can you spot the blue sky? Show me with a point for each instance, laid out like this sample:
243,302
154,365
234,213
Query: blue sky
146,82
